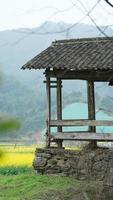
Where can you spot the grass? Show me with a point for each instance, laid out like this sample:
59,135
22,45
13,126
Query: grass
13,170
41,187
35,187
19,182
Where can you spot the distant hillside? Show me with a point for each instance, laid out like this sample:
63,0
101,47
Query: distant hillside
23,93
18,46
23,103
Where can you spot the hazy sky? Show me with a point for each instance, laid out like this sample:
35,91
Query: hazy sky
32,13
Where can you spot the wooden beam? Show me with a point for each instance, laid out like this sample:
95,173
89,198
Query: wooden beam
106,75
83,136
59,107
48,90
91,103
50,81
53,86
84,122
91,106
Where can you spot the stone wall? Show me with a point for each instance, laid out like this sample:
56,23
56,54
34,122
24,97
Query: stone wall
87,164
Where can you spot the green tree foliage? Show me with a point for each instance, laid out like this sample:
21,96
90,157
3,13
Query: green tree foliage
8,125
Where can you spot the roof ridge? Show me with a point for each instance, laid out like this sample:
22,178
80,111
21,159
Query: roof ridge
78,40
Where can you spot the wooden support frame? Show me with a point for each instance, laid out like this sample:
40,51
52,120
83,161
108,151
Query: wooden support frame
89,135
91,103
48,91
91,106
59,108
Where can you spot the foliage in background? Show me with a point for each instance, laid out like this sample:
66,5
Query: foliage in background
8,125
13,170
28,105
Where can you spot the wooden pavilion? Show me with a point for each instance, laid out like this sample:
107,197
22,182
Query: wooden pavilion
88,59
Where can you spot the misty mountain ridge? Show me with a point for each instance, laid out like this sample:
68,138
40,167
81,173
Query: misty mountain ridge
20,45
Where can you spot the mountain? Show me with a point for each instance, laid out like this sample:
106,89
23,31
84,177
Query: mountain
22,93
18,46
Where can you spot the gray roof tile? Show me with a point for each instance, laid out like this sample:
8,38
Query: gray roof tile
76,54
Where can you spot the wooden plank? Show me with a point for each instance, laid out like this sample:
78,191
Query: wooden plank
84,122
83,136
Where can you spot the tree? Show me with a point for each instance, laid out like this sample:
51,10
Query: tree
7,124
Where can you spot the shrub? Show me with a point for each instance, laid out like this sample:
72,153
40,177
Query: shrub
12,170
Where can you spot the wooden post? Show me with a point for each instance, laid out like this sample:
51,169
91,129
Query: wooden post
91,107
59,108
48,90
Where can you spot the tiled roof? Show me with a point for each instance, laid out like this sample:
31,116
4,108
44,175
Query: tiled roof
76,54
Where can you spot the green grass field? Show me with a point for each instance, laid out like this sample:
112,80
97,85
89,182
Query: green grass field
31,186
18,181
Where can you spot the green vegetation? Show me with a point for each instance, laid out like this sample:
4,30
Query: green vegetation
13,170
23,104
28,105
38,187
27,186
8,125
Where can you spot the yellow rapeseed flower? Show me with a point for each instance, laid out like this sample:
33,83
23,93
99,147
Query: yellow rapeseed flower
17,155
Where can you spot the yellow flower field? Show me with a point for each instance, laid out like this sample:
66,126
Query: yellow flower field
17,155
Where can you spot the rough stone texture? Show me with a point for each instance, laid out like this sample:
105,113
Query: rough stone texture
88,164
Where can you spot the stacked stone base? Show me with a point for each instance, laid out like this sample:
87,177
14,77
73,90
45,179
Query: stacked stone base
88,164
